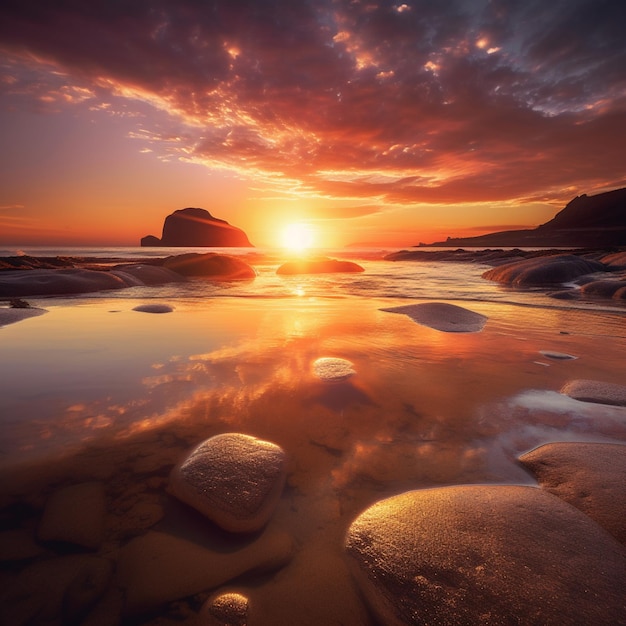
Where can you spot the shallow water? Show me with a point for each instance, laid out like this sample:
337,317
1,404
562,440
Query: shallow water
94,389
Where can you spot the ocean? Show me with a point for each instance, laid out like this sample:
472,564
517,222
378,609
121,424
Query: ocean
409,280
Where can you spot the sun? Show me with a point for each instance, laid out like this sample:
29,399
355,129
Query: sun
298,237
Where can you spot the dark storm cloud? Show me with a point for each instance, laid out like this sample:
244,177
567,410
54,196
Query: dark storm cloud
452,101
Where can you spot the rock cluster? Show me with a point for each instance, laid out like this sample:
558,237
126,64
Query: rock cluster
76,280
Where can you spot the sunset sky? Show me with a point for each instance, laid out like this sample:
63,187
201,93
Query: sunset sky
374,122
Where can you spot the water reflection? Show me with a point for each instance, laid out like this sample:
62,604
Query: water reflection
423,408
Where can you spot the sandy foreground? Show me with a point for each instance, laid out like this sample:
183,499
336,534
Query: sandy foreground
95,393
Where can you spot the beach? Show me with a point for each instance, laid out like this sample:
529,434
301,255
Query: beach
105,390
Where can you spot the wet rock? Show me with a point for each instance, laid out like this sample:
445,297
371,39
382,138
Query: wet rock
50,282
55,591
596,391
616,260
154,308
332,370
12,315
139,274
225,609
234,479
75,515
486,554
210,265
441,316
557,356
602,288
589,476
18,545
547,270
157,568
319,266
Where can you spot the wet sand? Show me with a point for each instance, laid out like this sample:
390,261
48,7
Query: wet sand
423,409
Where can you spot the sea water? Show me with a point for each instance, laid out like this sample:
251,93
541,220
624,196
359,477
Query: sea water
92,365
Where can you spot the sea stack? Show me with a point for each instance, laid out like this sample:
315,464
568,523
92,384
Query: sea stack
193,227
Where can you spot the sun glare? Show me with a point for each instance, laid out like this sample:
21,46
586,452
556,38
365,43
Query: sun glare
298,237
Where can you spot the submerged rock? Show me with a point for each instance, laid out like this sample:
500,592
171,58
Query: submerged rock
442,316
589,476
75,515
234,479
55,591
595,391
319,266
210,265
486,555
545,270
157,568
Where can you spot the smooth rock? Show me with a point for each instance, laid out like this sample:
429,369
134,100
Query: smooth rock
210,265
18,545
589,476
596,391
557,356
602,288
545,270
332,370
49,282
234,479
55,591
75,515
153,308
441,316
157,568
224,609
319,266
10,315
141,274
486,555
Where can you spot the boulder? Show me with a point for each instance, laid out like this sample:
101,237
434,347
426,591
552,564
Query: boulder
602,288
544,270
75,515
157,568
486,555
197,228
589,476
615,260
318,266
595,391
234,479
50,282
442,316
55,591
210,265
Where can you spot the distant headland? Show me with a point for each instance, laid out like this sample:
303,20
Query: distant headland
193,227
586,221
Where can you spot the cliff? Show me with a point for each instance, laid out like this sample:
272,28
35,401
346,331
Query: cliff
586,221
193,227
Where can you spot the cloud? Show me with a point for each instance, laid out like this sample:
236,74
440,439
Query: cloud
454,102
